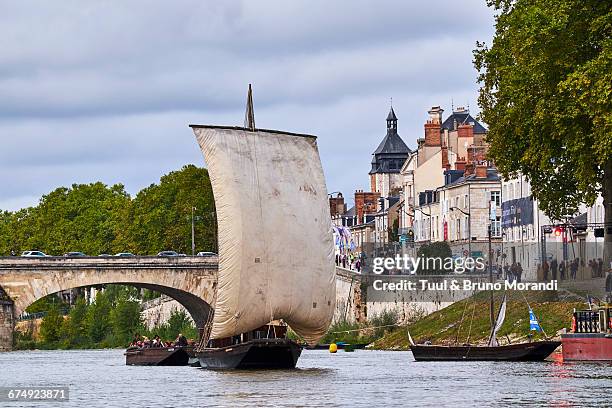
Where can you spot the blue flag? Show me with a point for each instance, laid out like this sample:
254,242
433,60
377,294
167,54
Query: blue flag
533,322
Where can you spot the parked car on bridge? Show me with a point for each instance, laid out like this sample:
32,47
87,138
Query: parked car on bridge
168,253
125,254
207,254
33,254
74,254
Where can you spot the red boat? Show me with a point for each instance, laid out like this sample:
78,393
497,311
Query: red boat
591,336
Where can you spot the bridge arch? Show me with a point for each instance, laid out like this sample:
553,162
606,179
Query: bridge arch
188,280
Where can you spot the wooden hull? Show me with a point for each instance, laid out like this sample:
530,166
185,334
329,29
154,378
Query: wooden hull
162,356
254,354
587,347
534,351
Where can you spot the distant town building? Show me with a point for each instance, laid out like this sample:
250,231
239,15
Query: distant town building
530,236
387,161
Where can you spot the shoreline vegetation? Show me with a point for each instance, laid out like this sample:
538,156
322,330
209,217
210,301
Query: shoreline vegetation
468,321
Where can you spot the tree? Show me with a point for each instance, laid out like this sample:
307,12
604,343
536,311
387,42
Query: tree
126,319
98,318
160,217
74,328
546,95
51,325
435,250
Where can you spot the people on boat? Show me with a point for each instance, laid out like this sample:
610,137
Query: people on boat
157,342
181,341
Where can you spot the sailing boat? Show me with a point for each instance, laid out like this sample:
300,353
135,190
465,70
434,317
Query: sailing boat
276,250
493,351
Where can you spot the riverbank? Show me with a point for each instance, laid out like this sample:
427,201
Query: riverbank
469,320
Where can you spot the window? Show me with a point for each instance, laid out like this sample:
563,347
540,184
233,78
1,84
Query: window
496,196
496,227
459,229
465,201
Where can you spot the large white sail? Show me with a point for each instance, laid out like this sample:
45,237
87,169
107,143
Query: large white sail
275,236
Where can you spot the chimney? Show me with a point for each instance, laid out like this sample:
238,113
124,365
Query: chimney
336,205
481,171
445,163
460,164
466,130
435,115
432,127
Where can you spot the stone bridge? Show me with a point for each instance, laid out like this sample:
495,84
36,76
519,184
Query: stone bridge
189,280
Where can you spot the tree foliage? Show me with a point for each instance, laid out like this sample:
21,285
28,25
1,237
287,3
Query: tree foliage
546,95
98,219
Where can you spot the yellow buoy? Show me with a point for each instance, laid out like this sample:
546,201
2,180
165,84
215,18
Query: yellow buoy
333,348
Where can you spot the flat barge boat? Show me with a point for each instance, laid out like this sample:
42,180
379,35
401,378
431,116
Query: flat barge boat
159,356
591,336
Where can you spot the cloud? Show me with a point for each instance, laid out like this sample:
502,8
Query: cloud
104,91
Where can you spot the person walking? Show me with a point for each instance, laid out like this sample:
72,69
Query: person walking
562,269
519,272
574,269
545,270
553,268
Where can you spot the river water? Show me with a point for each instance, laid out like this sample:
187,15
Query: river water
100,378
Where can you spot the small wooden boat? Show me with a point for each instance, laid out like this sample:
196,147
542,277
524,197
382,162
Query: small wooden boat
493,351
534,351
158,356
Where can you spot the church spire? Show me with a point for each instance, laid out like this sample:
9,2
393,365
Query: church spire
391,120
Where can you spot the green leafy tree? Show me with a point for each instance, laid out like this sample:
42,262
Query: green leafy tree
97,321
438,251
178,322
160,216
50,327
74,329
546,95
126,319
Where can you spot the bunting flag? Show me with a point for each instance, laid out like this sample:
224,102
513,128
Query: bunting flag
533,322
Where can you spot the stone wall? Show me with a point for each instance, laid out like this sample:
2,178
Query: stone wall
7,322
158,311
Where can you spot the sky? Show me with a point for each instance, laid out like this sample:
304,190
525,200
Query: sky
105,91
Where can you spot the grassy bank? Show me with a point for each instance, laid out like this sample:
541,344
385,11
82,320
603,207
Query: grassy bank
469,320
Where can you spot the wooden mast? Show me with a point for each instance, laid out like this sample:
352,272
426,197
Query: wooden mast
249,116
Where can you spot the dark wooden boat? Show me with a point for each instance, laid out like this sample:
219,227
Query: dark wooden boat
159,356
534,351
253,354
265,348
